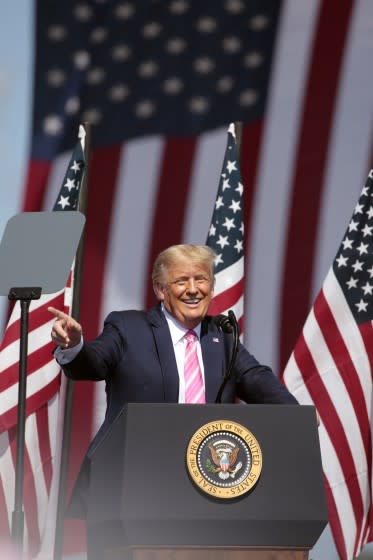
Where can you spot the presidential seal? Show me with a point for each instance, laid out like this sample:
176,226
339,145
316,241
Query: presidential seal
224,459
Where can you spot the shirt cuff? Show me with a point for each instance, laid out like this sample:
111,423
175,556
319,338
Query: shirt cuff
66,355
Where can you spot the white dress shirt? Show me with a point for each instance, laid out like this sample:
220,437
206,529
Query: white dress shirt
179,342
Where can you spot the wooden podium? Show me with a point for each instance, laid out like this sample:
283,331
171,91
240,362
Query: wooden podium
144,504
205,554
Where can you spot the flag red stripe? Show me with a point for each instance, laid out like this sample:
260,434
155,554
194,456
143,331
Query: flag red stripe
173,190
321,91
42,421
345,366
226,299
9,418
29,494
35,361
30,505
249,161
335,526
332,423
102,192
366,330
35,187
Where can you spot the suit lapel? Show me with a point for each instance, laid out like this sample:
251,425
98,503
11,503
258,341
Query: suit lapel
166,354
212,346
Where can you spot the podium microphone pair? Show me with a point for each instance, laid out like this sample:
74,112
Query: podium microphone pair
228,324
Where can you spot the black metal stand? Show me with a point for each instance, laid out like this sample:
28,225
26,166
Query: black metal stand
229,324
24,296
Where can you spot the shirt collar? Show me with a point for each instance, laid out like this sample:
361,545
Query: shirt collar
178,331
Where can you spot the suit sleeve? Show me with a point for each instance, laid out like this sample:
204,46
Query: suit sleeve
99,358
257,384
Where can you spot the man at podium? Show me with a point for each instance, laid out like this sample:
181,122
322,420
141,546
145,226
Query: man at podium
173,352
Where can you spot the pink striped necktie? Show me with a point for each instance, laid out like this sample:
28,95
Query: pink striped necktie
194,390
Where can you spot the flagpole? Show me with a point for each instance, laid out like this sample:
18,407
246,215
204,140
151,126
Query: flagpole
238,127
69,384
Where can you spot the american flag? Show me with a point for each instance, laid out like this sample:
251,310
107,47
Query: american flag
43,398
331,368
226,235
304,151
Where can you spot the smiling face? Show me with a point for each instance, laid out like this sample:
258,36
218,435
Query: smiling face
186,291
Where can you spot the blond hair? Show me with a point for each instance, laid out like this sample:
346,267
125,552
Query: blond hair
196,254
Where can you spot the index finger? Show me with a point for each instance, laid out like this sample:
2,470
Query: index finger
58,313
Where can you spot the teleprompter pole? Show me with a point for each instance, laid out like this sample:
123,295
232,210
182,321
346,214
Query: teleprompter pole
24,295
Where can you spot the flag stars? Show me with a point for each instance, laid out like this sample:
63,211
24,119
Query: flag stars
352,226
370,213
367,230
363,249
361,305
63,202
370,271
212,230
53,125
358,209
76,166
341,261
235,206
223,241
365,191
226,184
347,243
229,223
352,283
231,166
219,203
239,189
70,184
218,259
358,266
367,289
238,246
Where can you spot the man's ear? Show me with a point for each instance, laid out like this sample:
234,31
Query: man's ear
159,291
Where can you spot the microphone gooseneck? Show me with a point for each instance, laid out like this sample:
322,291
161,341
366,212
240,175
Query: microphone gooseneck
228,324
224,322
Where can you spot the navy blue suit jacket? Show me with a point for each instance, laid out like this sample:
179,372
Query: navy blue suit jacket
134,355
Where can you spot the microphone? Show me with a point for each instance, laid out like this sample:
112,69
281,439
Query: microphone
228,324
223,322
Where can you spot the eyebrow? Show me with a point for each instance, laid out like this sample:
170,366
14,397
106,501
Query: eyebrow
197,276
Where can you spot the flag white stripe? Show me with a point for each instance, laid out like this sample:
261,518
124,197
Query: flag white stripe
227,277
47,510
36,465
7,476
204,181
350,334
57,173
35,382
237,308
347,168
34,343
332,380
270,216
131,225
331,466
